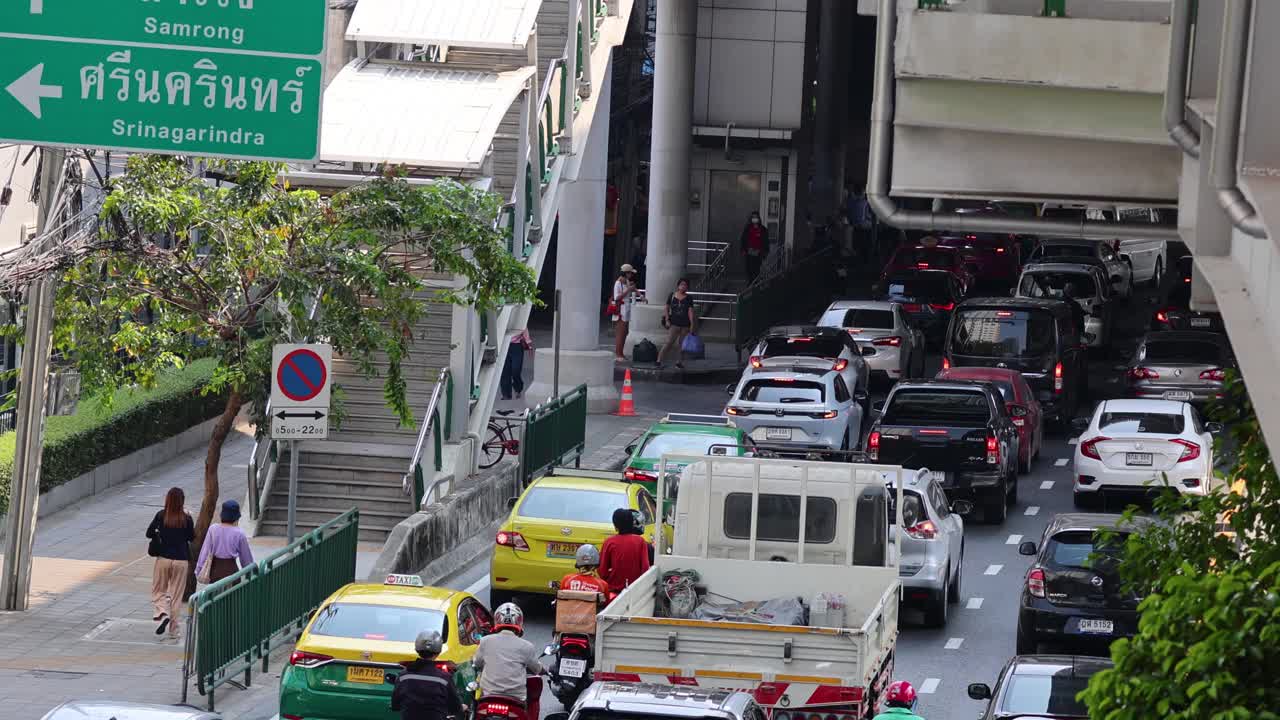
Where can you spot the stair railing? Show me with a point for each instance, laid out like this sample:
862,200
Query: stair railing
712,272
413,483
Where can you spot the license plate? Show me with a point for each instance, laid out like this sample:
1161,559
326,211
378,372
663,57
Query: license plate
1199,322
571,667
366,675
561,550
1177,395
1096,627
1137,458
777,433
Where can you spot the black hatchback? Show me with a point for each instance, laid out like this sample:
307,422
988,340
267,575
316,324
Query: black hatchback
1073,594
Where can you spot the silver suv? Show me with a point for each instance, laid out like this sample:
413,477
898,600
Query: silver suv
932,546
808,408
627,700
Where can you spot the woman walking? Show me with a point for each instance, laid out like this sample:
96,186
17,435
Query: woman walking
512,378
623,298
754,245
224,544
678,319
171,532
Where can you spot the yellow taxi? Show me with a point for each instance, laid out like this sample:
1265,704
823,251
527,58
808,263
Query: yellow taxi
549,521
361,634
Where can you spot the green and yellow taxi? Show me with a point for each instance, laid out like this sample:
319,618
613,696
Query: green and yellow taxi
361,634
680,434
555,515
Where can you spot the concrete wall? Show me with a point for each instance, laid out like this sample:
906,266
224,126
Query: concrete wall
750,63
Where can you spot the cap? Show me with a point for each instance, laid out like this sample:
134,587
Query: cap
626,267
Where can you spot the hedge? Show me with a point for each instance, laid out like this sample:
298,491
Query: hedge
93,436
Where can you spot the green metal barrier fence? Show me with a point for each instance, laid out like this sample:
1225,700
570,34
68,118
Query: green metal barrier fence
241,619
803,289
553,431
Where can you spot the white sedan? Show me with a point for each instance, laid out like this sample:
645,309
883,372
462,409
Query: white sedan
1133,445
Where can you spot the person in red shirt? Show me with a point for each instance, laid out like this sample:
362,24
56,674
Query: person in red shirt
627,555
755,245
586,579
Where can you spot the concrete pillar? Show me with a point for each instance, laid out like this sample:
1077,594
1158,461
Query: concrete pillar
579,253
672,146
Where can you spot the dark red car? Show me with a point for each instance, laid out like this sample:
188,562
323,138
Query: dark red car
998,257
929,255
1020,401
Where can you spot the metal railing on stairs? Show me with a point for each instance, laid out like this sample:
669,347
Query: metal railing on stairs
714,264
414,482
802,289
239,620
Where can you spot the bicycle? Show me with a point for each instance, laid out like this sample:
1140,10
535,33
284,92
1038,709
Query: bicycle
501,439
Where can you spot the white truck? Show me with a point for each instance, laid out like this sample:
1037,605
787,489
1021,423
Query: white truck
836,665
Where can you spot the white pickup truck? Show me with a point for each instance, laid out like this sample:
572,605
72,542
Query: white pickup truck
835,665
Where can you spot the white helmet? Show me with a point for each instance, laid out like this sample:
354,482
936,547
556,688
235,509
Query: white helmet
586,557
509,616
428,644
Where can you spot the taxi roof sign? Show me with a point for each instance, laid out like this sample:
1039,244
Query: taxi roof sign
404,580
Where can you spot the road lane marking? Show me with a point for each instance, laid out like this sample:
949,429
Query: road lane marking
993,569
1073,441
929,686
1013,540
478,586
1061,462
1046,485
1033,510
973,604
954,644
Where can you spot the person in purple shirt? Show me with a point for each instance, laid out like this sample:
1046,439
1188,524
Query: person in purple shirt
224,544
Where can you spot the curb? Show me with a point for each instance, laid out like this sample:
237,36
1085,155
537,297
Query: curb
716,375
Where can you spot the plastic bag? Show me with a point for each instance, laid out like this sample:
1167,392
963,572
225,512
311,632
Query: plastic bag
692,346
645,352
779,611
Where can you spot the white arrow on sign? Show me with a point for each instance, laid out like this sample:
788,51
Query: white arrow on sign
29,91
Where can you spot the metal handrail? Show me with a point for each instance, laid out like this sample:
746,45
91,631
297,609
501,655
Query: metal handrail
433,408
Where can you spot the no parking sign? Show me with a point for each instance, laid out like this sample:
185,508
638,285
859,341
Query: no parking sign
300,391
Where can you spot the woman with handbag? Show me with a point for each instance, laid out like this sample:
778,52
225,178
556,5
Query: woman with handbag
680,321
171,532
224,544
619,309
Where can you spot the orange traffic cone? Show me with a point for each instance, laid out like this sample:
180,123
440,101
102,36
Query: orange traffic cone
626,404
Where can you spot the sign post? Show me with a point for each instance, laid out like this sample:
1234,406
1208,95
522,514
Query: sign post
300,396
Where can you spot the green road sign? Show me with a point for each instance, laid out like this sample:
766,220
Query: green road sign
276,26
149,99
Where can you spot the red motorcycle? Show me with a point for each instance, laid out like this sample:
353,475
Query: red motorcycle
496,707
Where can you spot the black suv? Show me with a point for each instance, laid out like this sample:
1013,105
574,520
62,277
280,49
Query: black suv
1037,337
1073,594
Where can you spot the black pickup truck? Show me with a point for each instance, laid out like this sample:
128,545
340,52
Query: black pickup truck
960,431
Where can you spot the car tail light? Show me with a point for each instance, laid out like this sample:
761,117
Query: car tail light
922,266
911,307
827,415
1162,316
494,707
946,363
756,361
893,341
999,251
1186,280
942,306
1057,377
301,658
1215,374
1190,450
446,667
633,475
840,365
1089,448
873,445
512,539
731,410
1143,373
1003,313
1035,582
993,450
923,530
931,431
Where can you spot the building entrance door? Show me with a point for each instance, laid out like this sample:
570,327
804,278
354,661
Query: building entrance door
734,195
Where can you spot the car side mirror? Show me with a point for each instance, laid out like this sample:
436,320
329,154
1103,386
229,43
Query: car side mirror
860,395
1080,424
631,448
730,388
979,691
1027,548
1213,427
511,503
878,406
961,507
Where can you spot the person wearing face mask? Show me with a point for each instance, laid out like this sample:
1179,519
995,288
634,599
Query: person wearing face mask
755,245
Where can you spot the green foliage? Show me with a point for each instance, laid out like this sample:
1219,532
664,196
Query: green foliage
100,432
1208,641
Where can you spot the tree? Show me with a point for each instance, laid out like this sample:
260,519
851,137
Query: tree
1208,641
227,262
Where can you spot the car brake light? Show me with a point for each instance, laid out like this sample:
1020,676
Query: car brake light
1162,316
943,306
827,415
1035,582
799,339
893,341
923,530
1057,377
1186,280
911,307
756,361
446,667
1215,374
873,445
932,432
993,450
301,658
1143,373
1089,449
633,475
840,365
512,539
1000,251
1003,313
946,363
492,707
1190,450
923,266
731,410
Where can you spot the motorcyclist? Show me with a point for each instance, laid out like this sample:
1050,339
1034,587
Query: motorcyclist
504,658
900,698
424,691
586,579
626,556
